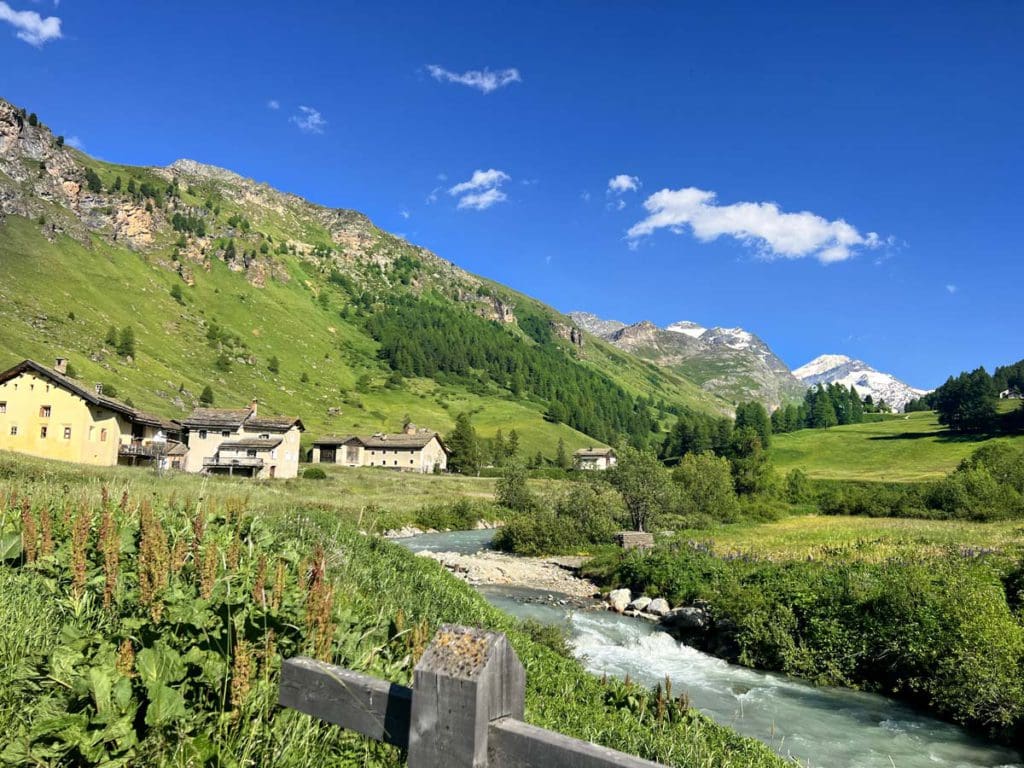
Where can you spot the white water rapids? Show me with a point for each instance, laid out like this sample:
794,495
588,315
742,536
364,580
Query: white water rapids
821,727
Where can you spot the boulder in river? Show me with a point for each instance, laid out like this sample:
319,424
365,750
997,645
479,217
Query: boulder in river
619,599
686,618
640,604
659,606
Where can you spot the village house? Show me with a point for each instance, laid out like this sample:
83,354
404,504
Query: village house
1011,394
594,458
414,450
237,441
46,413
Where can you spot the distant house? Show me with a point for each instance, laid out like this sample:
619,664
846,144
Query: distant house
414,450
237,441
46,413
594,458
1010,394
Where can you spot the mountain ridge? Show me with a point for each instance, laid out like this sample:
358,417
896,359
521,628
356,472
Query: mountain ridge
847,371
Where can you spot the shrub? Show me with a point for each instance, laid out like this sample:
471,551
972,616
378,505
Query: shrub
704,489
314,473
581,518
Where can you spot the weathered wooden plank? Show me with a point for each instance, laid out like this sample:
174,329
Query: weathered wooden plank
367,705
512,743
466,678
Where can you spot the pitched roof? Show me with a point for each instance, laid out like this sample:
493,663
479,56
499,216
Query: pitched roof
216,417
275,423
594,452
252,442
89,395
335,440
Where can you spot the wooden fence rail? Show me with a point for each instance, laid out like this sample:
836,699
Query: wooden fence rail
465,709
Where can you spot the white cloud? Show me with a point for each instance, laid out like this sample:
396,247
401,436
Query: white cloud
480,180
775,234
432,197
74,141
484,80
951,288
32,28
309,120
585,196
623,183
273,104
482,190
404,214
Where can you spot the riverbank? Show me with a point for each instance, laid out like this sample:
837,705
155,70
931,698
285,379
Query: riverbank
487,568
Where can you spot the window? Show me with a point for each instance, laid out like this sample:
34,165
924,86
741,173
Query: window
14,430
92,434
103,435
67,433
225,433
202,434
251,453
3,407
265,437
44,412
42,432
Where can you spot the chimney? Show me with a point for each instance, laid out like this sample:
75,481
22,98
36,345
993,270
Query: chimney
253,405
410,429
99,389
60,365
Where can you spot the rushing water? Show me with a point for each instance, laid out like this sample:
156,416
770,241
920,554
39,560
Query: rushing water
821,727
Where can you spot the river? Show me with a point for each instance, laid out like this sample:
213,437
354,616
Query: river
821,727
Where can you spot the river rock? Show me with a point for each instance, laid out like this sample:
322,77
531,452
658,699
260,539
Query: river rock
659,606
686,618
640,604
619,599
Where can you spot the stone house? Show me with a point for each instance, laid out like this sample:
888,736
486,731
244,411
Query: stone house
594,458
46,413
414,450
237,441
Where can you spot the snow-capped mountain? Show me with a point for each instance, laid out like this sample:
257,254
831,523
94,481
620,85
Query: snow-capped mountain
731,362
828,369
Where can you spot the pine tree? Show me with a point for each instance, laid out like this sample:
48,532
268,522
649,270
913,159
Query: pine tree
512,449
126,342
111,338
562,456
274,365
206,396
498,449
464,446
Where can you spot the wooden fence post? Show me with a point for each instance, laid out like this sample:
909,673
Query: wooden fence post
466,679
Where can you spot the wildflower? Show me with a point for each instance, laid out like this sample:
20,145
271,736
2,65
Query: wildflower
28,532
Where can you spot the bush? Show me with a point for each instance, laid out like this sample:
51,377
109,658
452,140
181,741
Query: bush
314,473
461,515
704,489
580,519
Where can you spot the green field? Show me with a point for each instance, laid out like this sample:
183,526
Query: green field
904,448
814,537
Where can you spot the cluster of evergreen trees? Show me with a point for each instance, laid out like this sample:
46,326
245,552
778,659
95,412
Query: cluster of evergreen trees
824,407
966,403
419,337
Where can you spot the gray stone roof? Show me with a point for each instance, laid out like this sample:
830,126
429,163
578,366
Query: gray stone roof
251,442
584,453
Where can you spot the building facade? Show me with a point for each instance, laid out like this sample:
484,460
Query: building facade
45,413
414,450
594,458
237,441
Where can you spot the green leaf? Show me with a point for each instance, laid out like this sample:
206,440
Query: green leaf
165,706
159,665
100,686
10,547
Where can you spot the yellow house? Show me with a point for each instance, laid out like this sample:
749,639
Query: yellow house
415,450
45,413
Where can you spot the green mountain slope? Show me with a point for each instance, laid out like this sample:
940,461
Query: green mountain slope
220,277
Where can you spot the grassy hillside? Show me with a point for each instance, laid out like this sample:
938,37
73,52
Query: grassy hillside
60,298
903,448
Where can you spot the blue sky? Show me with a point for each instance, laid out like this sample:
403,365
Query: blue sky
841,178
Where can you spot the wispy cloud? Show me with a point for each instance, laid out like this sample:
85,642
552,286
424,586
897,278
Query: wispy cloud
484,80
309,120
32,28
623,183
950,288
481,190
274,104
74,141
772,232
404,214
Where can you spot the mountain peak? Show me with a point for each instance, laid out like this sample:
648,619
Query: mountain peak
195,168
848,372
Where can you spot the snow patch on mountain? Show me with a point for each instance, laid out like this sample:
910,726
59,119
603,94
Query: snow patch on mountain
690,329
843,370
